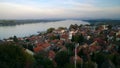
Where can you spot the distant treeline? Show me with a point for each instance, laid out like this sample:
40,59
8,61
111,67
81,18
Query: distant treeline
101,22
19,22
92,22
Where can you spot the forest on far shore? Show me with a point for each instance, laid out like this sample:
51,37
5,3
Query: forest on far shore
92,22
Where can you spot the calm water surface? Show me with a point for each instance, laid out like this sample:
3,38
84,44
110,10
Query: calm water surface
30,29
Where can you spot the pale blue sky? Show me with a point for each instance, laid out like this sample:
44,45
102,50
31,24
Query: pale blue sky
39,9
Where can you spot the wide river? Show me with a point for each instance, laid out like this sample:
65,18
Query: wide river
33,28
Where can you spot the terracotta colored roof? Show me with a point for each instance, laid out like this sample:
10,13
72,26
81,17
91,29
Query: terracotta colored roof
99,40
83,32
51,54
63,48
39,44
37,49
94,48
34,38
45,45
78,59
54,41
98,47
20,38
61,41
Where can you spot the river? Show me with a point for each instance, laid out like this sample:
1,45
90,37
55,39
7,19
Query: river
32,28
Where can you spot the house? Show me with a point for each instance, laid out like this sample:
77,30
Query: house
63,48
105,27
46,46
118,37
64,37
94,47
9,40
78,59
41,46
54,41
38,49
99,40
51,55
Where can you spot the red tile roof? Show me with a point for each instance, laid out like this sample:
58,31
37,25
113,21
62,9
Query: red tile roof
45,45
99,40
65,36
94,48
51,54
41,46
78,59
54,41
37,49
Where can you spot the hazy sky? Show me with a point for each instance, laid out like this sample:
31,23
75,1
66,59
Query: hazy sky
40,9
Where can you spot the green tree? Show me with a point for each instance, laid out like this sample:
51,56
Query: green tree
61,58
109,27
62,28
50,30
69,65
116,60
42,62
15,39
75,26
78,38
89,64
70,47
53,37
12,56
99,58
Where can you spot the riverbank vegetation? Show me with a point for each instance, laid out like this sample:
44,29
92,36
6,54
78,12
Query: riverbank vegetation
19,22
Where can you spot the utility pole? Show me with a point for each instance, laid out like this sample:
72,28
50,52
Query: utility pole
76,45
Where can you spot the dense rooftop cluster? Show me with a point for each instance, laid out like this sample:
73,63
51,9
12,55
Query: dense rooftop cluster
99,47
